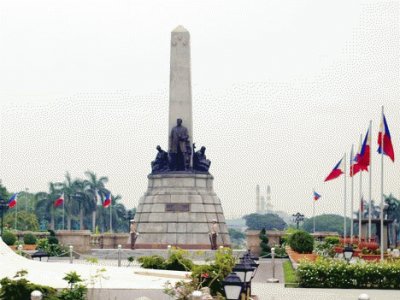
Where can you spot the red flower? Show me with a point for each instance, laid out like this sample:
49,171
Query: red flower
204,275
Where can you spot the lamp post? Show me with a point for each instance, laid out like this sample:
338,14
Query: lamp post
298,217
348,253
233,286
245,272
3,209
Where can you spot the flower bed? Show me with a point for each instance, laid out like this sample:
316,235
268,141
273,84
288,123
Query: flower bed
297,257
330,273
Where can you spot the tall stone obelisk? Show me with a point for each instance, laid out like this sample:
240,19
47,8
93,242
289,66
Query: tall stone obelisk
180,86
180,208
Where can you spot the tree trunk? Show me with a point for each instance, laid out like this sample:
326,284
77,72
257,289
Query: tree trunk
94,221
52,222
81,225
69,222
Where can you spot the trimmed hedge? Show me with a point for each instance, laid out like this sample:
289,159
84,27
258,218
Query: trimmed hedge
301,242
9,238
330,273
30,239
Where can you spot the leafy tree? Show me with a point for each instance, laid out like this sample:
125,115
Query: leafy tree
25,220
237,237
326,222
265,248
267,221
95,186
45,203
301,241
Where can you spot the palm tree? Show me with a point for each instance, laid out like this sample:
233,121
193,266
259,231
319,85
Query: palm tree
95,186
83,197
71,205
45,202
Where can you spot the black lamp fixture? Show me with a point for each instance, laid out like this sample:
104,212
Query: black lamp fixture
233,286
348,253
297,218
3,209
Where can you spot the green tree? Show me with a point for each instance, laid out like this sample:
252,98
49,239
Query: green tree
44,208
25,220
326,222
267,221
95,186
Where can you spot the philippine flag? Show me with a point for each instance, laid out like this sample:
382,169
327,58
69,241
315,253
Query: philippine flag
354,168
336,172
59,201
13,200
363,158
316,195
387,141
107,201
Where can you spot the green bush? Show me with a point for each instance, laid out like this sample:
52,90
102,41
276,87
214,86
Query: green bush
332,240
29,239
301,242
9,238
152,262
51,249
330,273
20,288
178,261
265,248
52,240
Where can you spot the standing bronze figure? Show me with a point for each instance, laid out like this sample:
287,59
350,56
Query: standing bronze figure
178,141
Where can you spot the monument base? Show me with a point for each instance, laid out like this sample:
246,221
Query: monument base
178,210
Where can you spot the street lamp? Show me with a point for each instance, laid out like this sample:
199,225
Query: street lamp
3,209
245,272
348,253
232,286
298,217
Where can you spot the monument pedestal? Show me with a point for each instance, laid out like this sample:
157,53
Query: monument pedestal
178,210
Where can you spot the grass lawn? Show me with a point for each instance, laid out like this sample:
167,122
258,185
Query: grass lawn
290,275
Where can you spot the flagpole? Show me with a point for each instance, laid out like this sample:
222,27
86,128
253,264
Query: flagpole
382,147
314,216
344,195
110,215
352,195
370,184
63,212
361,205
16,215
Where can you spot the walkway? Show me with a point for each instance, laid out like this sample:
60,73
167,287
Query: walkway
277,291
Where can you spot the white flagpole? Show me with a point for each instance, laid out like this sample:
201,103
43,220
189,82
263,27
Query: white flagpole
359,210
314,216
382,141
16,215
352,195
111,215
63,227
345,200
370,183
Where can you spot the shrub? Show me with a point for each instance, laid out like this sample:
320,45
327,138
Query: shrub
330,273
332,240
301,242
265,248
30,239
178,261
20,288
52,240
51,249
208,275
9,238
152,262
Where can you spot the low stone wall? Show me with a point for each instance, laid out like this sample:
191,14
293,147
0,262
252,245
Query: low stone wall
39,234
80,239
253,240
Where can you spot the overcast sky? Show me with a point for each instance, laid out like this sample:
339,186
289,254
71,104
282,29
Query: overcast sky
281,89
